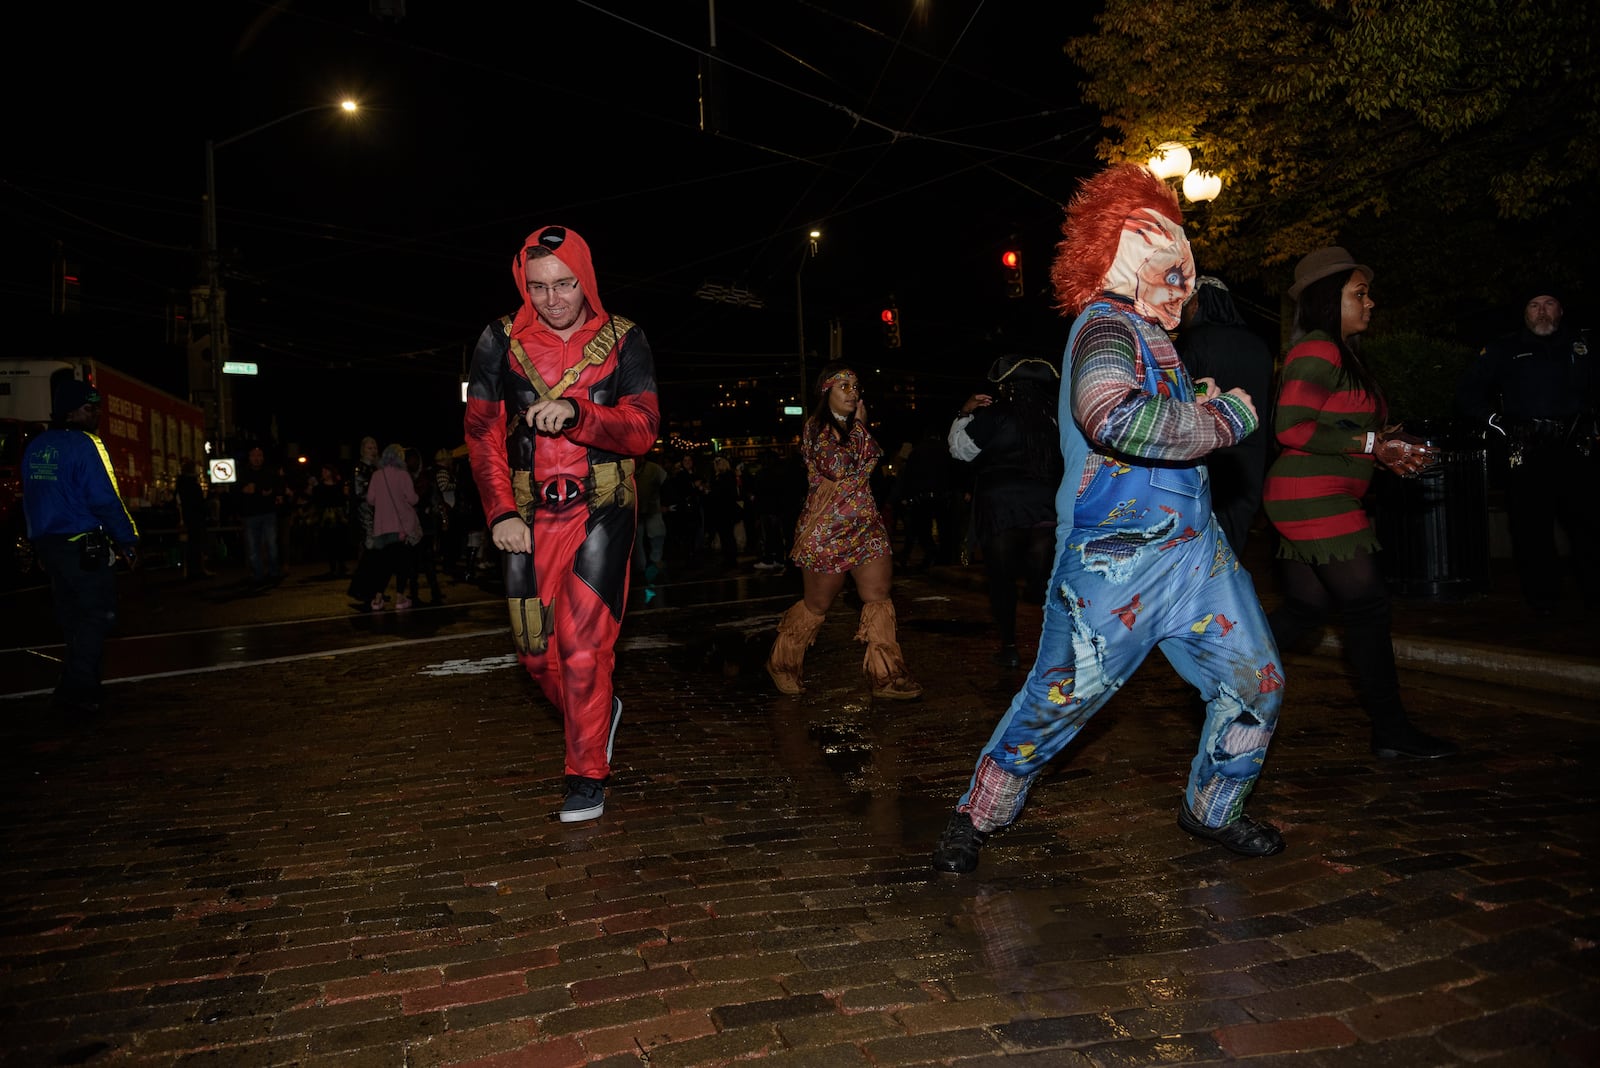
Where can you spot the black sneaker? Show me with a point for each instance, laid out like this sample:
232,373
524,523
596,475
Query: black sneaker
958,847
1244,835
1407,741
586,800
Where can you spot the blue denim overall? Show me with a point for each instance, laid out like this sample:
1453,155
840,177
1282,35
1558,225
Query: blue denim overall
1140,563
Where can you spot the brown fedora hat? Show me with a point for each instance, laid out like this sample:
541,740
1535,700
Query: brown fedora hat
1315,266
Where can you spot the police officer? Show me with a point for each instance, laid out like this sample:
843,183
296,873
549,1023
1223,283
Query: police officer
79,527
1538,392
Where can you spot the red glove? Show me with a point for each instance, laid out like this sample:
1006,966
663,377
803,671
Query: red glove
1405,454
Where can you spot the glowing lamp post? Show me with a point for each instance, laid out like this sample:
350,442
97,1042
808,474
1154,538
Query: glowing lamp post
812,237
215,315
1201,186
1172,160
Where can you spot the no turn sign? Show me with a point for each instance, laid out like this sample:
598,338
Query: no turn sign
223,471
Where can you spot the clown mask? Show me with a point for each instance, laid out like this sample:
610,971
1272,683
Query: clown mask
1154,267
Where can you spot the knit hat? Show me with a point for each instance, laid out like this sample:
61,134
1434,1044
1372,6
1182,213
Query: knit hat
1545,287
1315,266
70,394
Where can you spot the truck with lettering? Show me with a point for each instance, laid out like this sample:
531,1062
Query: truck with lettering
148,434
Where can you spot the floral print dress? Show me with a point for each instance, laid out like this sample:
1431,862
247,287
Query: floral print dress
840,528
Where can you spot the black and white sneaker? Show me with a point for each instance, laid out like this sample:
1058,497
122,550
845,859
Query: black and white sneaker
586,800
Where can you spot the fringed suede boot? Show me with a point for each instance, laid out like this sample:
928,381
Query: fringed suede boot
796,631
884,665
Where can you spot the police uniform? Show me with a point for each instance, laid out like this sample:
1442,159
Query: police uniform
1538,396
77,522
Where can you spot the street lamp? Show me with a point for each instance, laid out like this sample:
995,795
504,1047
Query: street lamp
215,315
800,310
1172,160
1200,186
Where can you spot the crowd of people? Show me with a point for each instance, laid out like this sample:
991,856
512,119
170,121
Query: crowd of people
1114,486
698,512
278,513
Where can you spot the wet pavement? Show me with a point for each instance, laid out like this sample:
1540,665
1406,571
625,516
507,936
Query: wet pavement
341,850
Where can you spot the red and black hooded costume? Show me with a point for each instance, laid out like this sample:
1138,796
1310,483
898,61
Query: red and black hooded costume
574,489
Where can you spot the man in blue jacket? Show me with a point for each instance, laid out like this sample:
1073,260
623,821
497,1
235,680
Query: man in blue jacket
78,526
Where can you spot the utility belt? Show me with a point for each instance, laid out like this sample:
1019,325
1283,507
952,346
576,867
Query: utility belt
94,547
606,484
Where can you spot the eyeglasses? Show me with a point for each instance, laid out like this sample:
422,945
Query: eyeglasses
560,289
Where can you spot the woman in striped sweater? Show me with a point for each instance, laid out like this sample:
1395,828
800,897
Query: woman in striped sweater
1330,424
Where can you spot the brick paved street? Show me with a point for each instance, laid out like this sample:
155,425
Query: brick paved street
352,861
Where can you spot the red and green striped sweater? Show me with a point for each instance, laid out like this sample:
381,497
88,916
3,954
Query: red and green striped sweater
1314,488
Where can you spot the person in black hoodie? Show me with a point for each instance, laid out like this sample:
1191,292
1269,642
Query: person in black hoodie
1214,342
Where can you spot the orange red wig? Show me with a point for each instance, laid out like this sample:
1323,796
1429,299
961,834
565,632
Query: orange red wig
1092,230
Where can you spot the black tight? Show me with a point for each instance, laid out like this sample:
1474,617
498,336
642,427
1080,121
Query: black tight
1312,592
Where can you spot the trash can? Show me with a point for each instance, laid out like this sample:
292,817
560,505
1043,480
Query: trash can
1434,529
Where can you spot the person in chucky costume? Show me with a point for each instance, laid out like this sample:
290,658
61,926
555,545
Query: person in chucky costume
1140,561
561,397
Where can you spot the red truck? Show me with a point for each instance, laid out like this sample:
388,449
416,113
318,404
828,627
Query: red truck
147,432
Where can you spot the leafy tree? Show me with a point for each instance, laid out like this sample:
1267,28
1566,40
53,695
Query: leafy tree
1453,144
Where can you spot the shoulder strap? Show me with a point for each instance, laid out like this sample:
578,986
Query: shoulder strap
594,354
534,377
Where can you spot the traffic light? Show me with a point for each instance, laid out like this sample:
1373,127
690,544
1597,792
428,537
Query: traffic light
177,323
1011,260
65,297
891,327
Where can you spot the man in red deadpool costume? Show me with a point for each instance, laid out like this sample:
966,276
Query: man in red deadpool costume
560,399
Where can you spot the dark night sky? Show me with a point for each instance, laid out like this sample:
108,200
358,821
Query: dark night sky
363,256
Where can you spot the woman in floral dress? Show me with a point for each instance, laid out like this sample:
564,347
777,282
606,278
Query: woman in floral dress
840,532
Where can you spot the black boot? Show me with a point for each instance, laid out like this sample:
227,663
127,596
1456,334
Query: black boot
1396,738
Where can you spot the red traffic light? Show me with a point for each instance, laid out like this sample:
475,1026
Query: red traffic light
888,316
1011,260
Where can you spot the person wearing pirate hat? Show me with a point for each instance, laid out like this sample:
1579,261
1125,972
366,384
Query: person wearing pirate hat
1537,391
1140,561
1009,435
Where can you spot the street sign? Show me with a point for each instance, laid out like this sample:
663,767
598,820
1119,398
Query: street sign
223,471
793,409
234,367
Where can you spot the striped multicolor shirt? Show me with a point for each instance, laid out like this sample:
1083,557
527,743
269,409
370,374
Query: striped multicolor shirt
1121,418
1314,488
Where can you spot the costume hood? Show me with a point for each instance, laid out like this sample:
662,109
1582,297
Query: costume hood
1123,235
572,250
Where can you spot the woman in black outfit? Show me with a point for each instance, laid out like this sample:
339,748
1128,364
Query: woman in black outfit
723,509
1010,437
